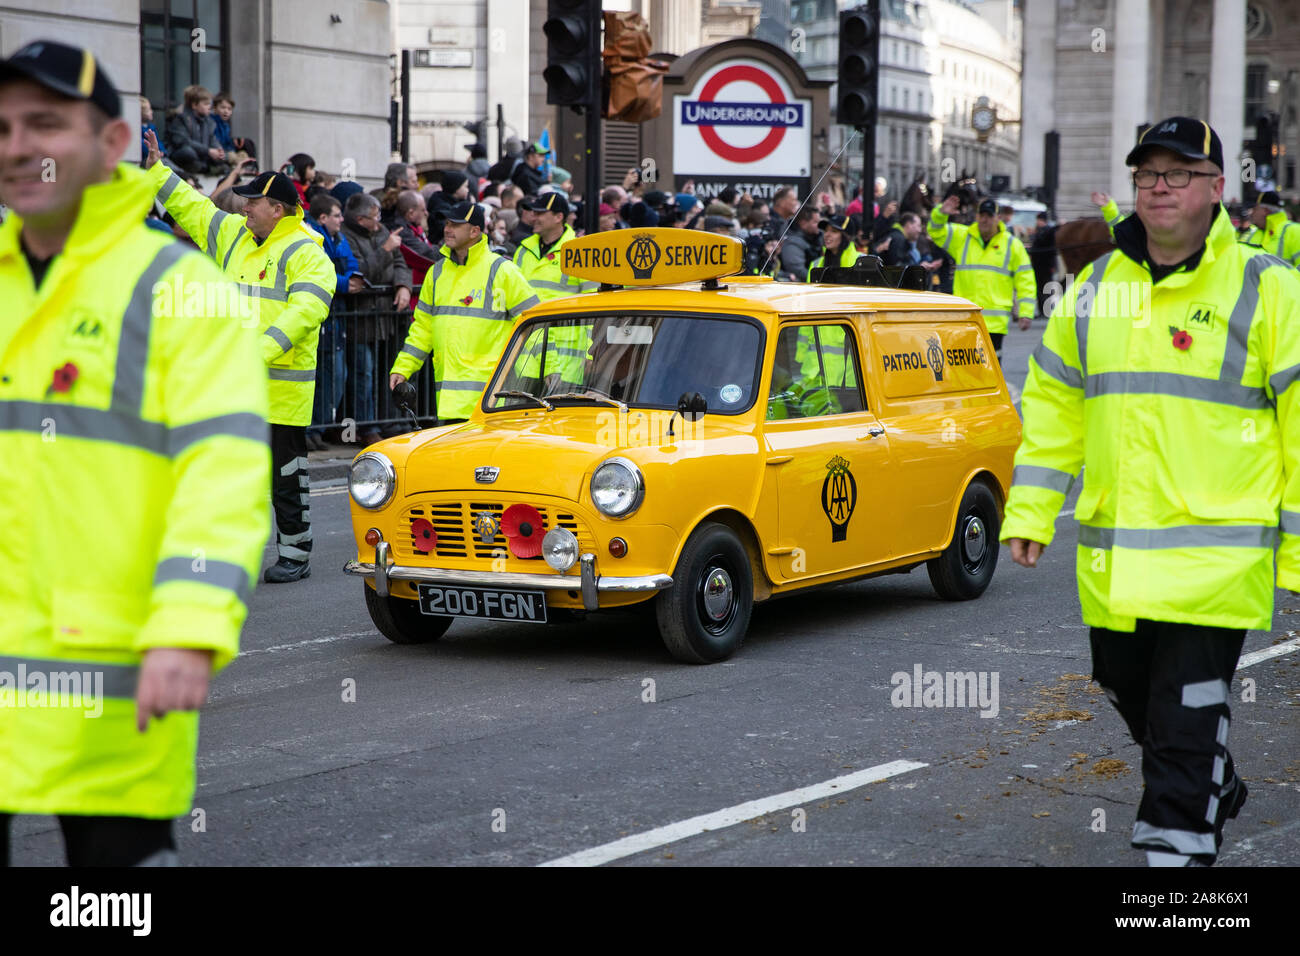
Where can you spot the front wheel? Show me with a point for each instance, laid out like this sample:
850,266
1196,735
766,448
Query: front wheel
966,566
400,620
704,616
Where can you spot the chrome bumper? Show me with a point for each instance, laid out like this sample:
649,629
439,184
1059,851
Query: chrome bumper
587,582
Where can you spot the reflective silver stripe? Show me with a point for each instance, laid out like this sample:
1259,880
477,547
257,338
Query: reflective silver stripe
168,187
961,262
282,267
119,680
295,538
1184,536
579,353
77,421
1025,268
233,425
1242,316
421,307
1289,522
1053,365
281,339
263,292
1220,765
1041,477
133,345
1205,693
214,229
219,574
497,263
524,306
431,277
547,284
312,289
1180,386
519,255
473,312
974,268
1083,308
410,349
1006,260
1114,220
291,374
1221,736
1283,380
461,386
588,287
243,230
293,465
1180,841
292,553
947,237
997,312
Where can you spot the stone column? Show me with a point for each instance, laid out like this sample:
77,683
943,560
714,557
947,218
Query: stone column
1037,89
1228,87
675,25
1130,90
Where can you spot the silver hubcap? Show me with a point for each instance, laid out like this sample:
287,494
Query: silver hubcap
973,539
717,593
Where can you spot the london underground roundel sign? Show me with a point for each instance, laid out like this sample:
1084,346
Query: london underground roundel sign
742,117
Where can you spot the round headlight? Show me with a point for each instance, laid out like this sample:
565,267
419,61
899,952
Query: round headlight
617,488
560,549
372,480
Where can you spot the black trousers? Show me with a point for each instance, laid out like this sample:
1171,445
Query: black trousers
1170,683
104,841
290,493
997,338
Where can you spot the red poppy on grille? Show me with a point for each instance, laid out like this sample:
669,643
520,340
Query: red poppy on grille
426,539
64,377
1182,340
522,526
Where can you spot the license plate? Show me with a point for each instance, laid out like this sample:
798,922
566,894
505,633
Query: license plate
491,603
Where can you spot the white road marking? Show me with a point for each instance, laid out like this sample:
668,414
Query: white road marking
1268,653
721,819
315,640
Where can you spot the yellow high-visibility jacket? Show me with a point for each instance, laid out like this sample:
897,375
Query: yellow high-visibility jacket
1191,453
463,319
286,280
846,259
566,346
996,276
1279,237
134,512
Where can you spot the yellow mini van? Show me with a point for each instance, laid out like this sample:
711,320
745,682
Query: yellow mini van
696,441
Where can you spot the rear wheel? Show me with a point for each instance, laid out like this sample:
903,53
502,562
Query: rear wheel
966,566
704,616
400,620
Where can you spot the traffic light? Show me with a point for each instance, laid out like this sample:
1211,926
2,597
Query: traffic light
572,71
859,65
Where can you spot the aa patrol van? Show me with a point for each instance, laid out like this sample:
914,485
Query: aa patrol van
699,442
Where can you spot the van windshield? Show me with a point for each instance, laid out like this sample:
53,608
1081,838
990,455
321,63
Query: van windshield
644,360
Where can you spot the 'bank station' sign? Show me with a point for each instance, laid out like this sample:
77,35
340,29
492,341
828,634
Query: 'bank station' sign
742,126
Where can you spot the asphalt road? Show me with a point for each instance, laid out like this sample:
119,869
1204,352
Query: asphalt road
518,744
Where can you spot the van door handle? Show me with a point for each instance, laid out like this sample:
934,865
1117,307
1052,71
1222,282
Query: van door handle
875,431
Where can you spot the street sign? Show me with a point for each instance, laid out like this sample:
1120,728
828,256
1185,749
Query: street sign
742,125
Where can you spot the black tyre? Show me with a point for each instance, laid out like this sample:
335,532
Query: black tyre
966,566
704,616
400,620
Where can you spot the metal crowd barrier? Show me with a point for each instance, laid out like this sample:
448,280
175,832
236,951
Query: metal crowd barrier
358,343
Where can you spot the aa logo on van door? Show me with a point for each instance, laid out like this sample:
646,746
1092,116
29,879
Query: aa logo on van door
839,496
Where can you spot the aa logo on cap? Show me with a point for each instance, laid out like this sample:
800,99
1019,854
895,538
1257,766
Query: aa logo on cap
1168,128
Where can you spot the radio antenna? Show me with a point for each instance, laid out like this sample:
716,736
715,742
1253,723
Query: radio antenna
812,192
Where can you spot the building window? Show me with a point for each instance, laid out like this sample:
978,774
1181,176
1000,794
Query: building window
907,100
1256,91
169,60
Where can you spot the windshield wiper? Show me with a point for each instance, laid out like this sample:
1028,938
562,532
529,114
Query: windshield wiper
513,393
594,394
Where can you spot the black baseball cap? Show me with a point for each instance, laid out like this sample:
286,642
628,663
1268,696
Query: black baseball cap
469,212
846,224
272,186
1188,137
67,70
989,207
1269,198
656,199
550,202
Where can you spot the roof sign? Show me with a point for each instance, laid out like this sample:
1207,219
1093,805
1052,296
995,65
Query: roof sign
652,256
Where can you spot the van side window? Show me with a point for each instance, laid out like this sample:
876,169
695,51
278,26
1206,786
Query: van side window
815,373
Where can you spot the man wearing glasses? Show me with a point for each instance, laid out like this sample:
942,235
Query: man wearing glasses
1169,369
